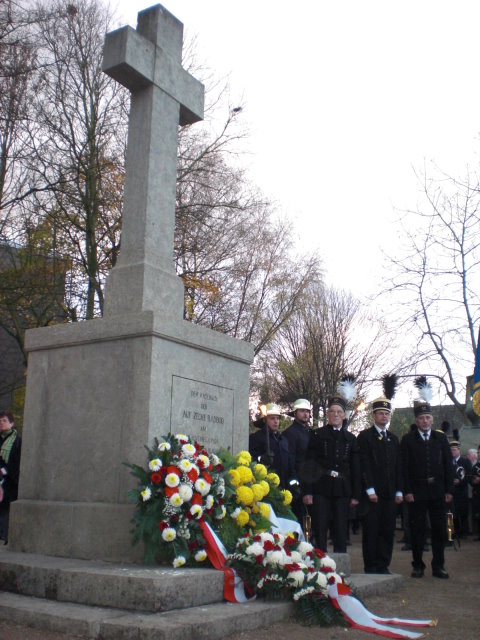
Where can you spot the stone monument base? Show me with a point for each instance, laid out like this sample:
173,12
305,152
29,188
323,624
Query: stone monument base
100,390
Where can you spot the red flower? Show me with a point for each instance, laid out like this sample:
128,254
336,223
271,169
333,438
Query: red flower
192,545
258,559
289,541
207,477
292,567
156,477
219,468
196,498
268,545
192,475
319,553
198,447
331,580
175,470
163,525
170,491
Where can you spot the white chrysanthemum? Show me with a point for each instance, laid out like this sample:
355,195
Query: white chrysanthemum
320,580
266,537
204,460
178,561
189,450
304,547
222,514
200,555
181,436
202,486
172,480
209,501
185,465
155,465
169,534
164,446
328,563
277,557
235,513
146,494
297,577
185,492
254,549
196,511
176,500
296,557
214,459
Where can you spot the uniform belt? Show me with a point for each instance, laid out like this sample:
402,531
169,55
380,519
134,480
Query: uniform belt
334,474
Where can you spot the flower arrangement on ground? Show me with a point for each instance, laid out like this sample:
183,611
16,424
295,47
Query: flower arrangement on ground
255,492
182,485
275,565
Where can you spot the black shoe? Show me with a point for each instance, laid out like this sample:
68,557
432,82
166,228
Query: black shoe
407,547
386,572
440,573
417,573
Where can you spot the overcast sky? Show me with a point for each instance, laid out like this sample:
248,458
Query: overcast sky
344,99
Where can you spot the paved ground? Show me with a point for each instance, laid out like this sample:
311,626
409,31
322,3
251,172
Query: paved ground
454,602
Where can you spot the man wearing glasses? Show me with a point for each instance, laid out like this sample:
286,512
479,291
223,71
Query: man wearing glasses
333,473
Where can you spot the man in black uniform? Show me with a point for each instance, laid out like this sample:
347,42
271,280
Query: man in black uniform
332,480
298,437
381,488
10,449
427,485
270,447
462,471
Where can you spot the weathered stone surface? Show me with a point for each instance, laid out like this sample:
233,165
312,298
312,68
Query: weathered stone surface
100,390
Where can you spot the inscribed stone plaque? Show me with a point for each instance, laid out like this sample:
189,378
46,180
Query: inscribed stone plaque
202,411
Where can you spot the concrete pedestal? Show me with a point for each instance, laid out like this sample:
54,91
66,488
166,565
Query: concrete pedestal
97,393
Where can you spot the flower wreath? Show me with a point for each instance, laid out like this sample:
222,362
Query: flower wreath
185,486
275,565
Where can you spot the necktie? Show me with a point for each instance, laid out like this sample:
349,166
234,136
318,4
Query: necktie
425,435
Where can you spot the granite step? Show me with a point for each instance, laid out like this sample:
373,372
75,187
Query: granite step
104,601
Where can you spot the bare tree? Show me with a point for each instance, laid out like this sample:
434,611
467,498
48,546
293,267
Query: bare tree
331,335
435,282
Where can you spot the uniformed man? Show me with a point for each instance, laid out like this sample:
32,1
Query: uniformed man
298,437
462,471
427,483
332,482
381,472
270,447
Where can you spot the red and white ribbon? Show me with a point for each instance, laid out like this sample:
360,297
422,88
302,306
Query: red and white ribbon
234,587
360,618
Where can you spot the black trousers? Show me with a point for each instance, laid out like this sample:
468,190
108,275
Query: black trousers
378,531
436,511
328,511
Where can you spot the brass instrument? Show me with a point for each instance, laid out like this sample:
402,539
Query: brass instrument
450,527
307,526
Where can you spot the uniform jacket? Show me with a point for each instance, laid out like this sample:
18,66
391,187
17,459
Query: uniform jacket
298,437
427,467
380,463
257,446
326,453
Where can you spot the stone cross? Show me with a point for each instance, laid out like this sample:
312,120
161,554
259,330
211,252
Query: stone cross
148,62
